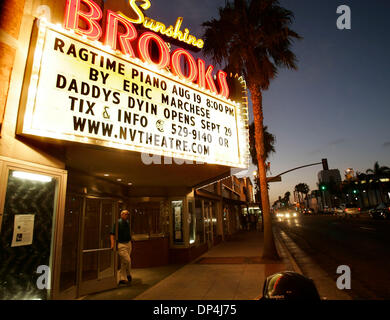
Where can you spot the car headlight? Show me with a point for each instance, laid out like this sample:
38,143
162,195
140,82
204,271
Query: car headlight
287,215
295,214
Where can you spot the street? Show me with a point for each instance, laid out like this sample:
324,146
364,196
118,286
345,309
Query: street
360,243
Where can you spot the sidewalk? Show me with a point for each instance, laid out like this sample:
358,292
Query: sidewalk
143,279
232,270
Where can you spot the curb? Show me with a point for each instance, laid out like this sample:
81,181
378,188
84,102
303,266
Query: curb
292,259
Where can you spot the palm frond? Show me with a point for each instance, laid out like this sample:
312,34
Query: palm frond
252,37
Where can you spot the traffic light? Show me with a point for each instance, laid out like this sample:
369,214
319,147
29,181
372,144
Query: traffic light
323,187
355,191
325,164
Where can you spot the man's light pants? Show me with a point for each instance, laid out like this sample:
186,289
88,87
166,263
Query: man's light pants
124,251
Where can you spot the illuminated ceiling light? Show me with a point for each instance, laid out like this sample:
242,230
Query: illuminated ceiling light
129,183
106,175
31,176
119,180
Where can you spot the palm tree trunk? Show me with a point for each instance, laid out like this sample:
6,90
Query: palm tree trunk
269,248
368,198
381,190
299,199
376,194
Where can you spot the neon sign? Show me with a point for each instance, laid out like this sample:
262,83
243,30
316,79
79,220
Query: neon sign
140,16
173,31
93,31
156,26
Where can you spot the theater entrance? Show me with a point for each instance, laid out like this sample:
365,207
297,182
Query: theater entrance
209,222
97,263
88,264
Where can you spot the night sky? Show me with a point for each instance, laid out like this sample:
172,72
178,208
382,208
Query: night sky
336,106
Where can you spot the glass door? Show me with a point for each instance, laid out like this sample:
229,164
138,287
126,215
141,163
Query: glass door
208,222
70,246
27,228
106,257
97,269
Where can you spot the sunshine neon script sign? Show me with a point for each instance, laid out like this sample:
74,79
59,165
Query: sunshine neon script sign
159,27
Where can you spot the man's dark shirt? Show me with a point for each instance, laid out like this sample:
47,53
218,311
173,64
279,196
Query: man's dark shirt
123,231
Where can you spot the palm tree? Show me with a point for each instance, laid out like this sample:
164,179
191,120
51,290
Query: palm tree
305,191
377,173
269,143
286,198
298,190
269,146
253,38
302,188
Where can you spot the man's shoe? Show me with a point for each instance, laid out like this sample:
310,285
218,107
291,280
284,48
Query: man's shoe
123,282
129,278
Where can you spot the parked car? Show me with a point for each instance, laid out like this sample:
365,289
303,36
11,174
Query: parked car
382,211
307,211
351,210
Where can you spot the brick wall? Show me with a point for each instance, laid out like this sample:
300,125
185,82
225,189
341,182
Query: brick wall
10,20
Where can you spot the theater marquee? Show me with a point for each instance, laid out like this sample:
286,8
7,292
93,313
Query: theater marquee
82,91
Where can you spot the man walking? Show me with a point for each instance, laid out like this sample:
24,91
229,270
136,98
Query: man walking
124,246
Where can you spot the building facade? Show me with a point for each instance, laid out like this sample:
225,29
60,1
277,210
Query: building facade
82,137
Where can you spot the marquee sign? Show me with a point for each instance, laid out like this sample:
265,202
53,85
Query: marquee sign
82,91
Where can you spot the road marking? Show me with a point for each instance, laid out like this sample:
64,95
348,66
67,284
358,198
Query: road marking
371,229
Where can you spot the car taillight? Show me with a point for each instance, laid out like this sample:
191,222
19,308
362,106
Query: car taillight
359,209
